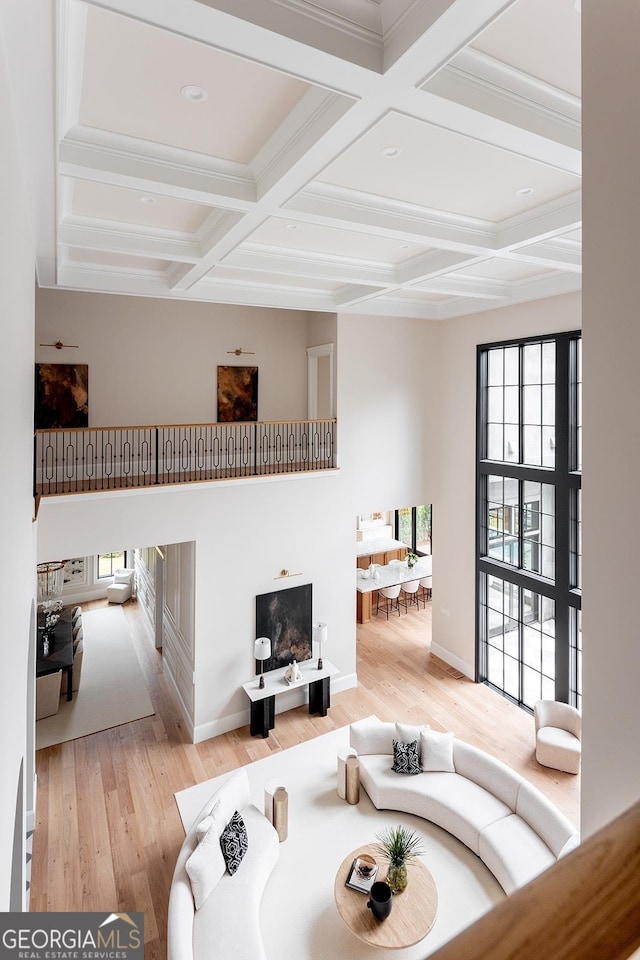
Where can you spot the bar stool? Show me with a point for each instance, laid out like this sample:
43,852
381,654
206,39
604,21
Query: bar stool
410,594
425,589
390,596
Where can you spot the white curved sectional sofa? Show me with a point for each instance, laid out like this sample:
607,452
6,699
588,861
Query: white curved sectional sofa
499,815
226,925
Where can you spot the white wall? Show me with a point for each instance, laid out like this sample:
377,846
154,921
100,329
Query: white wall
454,508
17,557
611,348
245,533
388,395
155,361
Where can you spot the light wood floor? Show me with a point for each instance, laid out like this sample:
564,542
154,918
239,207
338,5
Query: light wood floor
107,826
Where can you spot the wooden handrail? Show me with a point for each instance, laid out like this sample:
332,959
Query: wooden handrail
183,426
585,907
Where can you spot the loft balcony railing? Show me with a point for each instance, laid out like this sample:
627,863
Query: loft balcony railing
114,458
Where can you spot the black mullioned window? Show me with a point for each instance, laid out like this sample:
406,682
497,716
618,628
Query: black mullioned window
529,518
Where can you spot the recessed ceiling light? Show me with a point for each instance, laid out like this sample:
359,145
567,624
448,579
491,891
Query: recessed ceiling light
147,199
390,152
524,191
404,246
292,226
194,93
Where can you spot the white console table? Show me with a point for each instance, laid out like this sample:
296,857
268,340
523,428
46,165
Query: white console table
263,699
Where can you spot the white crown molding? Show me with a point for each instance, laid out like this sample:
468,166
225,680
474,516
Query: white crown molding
70,40
358,19
293,262
126,238
434,264
315,114
542,223
522,292
549,254
215,227
92,154
390,306
352,294
356,210
489,87
454,285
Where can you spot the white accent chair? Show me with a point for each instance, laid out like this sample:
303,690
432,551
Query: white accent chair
121,589
390,597
558,735
48,694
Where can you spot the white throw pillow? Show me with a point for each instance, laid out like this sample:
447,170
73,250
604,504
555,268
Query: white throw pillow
408,732
436,751
204,825
206,865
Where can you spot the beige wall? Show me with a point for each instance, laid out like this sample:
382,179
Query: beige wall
455,440
17,557
611,348
155,361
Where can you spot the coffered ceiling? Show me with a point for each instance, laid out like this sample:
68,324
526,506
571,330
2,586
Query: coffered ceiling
400,157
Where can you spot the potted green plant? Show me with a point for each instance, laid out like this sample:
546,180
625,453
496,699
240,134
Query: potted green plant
399,846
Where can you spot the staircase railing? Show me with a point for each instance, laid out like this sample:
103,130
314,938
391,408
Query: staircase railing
586,907
112,458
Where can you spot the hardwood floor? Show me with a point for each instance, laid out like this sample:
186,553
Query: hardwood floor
107,826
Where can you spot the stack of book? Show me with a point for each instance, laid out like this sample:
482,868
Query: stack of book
362,874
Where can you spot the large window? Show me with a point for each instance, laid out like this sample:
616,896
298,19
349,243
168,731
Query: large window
108,563
413,527
529,515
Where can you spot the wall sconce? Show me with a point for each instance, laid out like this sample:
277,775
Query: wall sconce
262,652
285,573
320,636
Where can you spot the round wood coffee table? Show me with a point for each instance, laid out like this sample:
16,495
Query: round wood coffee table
412,915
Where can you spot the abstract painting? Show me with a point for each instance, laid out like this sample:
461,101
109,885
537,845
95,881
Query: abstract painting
237,394
285,617
62,395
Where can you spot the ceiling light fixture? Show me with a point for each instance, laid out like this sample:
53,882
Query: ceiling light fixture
194,93
403,246
524,191
147,200
292,226
390,153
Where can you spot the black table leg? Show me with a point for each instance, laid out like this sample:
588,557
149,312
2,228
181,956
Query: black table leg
320,696
262,716
70,682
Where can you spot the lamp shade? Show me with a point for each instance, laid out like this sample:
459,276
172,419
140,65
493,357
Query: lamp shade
262,648
320,633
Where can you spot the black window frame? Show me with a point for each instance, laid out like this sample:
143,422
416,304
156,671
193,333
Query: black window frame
566,481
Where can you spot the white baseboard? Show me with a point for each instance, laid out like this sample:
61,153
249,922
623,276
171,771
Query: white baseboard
285,701
443,654
181,704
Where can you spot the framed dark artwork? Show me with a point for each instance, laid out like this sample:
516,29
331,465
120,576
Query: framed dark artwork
237,394
285,617
62,395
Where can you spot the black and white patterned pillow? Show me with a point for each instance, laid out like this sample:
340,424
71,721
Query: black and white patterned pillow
406,757
234,842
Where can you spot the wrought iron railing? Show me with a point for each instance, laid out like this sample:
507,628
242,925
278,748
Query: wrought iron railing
113,458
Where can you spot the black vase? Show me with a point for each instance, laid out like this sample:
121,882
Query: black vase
381,900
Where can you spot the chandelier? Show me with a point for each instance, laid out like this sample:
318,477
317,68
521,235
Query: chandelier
50,580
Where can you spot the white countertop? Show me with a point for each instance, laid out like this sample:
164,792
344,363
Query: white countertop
377,545
392,573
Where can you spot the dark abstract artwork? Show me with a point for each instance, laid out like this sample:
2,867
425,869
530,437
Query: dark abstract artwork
62,395
237,394
285,617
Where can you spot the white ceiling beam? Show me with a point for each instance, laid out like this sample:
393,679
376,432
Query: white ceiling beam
475,287
121,238
99,155
543,223
340,207
432,31
490,87
297,264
